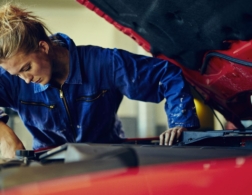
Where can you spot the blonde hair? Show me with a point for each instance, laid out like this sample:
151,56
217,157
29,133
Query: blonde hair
20,31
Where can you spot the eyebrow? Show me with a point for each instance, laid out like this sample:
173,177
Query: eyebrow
23,67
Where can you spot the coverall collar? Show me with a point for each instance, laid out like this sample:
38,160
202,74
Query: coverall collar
74,76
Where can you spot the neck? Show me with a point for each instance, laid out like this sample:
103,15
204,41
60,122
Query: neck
60,63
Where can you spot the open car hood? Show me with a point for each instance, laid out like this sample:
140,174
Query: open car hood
209,40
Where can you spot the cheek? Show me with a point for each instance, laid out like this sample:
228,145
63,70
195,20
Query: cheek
43,69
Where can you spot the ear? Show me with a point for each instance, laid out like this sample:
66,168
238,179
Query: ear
43,46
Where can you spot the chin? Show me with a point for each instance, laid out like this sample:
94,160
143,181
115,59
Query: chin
44,82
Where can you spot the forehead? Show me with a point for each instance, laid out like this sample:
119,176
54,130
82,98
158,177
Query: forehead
14,64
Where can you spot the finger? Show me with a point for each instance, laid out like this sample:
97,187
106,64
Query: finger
173,134
180,130
167,136
161,138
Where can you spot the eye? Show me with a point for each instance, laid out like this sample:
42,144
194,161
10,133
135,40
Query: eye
27,68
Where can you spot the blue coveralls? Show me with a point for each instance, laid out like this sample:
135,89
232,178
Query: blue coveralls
85,108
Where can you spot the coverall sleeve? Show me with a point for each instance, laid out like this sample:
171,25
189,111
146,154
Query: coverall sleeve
7,94
151,80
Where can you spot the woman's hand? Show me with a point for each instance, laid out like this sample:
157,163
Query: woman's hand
168,136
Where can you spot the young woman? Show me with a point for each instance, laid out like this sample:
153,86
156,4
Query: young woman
68,93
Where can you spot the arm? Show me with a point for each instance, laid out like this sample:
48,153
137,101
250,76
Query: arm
151,80
9,142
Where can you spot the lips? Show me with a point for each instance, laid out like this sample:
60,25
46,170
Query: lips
38,81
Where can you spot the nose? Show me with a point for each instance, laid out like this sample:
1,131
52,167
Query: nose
26,77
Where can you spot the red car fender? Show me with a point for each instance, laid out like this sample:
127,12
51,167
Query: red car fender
226,176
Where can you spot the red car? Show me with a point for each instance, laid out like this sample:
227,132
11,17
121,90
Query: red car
211,42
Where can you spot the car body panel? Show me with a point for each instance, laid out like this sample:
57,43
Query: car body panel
227,176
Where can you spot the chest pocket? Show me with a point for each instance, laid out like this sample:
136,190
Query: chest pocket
94,108
92,98
44,116
50,106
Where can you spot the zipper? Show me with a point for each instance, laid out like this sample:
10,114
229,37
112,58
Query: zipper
67,110
90,99
38,104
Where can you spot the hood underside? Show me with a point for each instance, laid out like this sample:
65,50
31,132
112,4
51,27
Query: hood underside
209,40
